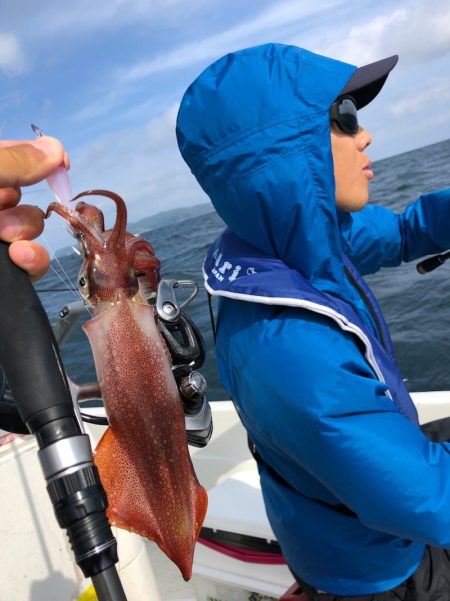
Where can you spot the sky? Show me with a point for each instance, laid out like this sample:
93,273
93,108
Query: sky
107,76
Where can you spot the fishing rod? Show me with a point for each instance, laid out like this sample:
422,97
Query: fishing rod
33,368
432,263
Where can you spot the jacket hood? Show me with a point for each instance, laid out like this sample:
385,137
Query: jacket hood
254,130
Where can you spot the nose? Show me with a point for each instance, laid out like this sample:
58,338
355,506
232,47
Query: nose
363,138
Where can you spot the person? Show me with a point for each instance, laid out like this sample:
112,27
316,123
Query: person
357,496
22,164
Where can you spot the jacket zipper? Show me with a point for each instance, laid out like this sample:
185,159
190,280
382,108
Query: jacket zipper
368,304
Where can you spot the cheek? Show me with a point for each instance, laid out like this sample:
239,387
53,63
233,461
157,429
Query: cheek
341,163
342,178
351,186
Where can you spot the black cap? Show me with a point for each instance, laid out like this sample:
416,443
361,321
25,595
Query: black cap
367,81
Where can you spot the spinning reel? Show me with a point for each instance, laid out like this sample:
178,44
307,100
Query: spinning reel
186,347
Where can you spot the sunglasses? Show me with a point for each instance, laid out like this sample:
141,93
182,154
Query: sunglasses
345,114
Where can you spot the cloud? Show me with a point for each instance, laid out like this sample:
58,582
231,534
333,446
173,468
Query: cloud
141,164
47,105
278,20
69,18
436,94
74,20
12,56
413,30
417,31
104,102
10,101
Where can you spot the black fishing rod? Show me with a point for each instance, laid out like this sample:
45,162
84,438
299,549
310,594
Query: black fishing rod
432,263
33,368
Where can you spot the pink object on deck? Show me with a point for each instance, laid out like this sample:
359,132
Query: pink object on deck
244,554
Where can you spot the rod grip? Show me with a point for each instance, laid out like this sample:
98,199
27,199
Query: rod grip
430,264
28,351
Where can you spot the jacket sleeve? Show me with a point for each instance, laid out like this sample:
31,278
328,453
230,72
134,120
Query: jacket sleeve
377,237
318,408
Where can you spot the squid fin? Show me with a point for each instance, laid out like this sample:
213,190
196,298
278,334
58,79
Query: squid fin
137,505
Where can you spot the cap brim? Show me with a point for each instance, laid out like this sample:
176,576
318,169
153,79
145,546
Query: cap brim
366,82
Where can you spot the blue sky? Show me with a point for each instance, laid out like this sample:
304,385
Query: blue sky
106,77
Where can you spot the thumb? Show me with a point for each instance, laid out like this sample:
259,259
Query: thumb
25,163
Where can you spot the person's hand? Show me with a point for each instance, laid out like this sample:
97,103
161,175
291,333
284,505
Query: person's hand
23,164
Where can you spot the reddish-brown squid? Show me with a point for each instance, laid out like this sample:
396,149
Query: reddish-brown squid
143,458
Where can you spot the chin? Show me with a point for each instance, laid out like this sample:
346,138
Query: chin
352,205
360,205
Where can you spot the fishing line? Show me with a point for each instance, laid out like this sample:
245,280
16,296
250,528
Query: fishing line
67,281
42,290
33,191
67,287
70,288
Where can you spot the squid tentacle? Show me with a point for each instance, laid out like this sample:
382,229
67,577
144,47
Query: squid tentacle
77,223
146,263
117,238
92,215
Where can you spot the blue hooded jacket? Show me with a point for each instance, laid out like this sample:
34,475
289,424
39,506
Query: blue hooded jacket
301,343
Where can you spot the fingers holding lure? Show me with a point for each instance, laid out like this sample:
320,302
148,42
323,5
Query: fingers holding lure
23,163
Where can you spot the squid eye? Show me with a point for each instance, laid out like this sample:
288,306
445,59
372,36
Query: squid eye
82,281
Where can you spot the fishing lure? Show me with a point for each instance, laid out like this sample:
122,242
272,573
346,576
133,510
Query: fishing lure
143,458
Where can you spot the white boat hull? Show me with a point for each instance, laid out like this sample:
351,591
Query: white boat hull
37,562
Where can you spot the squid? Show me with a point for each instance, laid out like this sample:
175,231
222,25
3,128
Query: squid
142,458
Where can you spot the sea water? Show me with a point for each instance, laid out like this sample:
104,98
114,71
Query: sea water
417,308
